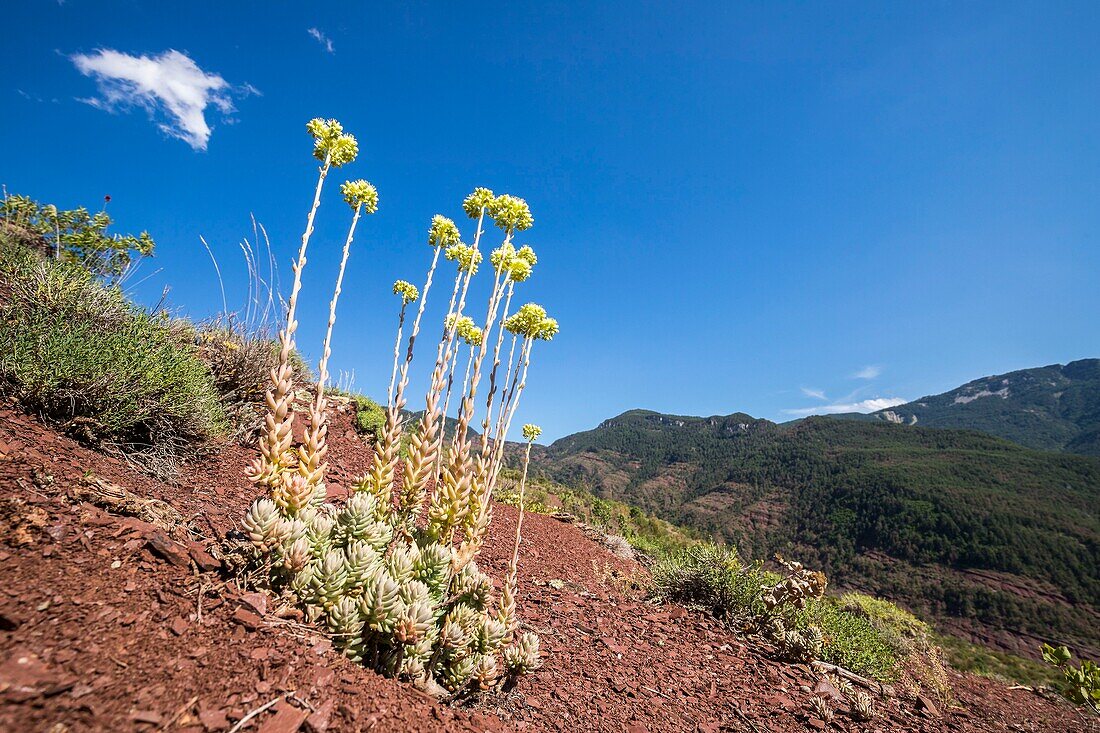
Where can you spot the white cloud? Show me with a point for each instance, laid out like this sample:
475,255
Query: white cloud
871,405
324,40
868,372
170,85
817,394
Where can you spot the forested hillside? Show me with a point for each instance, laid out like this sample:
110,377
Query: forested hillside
997,541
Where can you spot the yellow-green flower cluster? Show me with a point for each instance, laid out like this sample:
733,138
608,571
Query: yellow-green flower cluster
531,432
517,263
467,257
501,258
530,321
548,329
443,232
465,328
406,290
330,141
477,202
360,193
522,264
511,213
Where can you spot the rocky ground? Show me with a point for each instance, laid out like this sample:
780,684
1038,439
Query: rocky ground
115,623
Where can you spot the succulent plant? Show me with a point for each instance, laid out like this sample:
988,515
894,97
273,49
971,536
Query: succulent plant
821,708
522,656
477,202
511,213
331,143
396,592
863,706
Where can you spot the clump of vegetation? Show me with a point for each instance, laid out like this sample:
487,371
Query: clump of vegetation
714,578
370,417
240,363
74,236
865,635
83,356
1080,684
392,573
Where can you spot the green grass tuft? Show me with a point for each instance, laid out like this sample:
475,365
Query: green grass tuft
82,355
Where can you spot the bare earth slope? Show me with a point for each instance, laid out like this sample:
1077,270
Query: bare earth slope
108,624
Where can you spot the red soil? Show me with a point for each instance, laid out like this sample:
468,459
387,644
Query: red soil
105,624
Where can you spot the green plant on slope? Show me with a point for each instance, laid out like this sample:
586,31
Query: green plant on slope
1080,684
75,236
370,417
82,355
384,572
789,609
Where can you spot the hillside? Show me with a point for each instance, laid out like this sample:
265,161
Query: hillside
135,631
997,542
1055,407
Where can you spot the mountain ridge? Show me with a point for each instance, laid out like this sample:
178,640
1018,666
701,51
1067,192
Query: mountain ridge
1053,407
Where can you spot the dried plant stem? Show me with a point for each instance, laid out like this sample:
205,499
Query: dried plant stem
508,595
467,405
493,372
277,436
465,383
506,393
419,314
396,352
311,459
498,453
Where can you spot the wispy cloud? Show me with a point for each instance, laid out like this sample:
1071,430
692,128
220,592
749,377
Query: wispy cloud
324,40
170,87
817,394
871,405
868,372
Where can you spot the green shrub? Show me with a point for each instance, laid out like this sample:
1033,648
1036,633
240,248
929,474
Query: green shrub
82,355
853,641
370,417
887,617
74,236
713,578
1080,684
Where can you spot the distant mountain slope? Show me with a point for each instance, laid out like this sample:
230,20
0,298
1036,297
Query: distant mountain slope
1048,408
997,541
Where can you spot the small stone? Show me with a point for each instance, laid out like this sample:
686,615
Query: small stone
826,690
287,719
203,559
817,723
214,719
928,707
247,619
257,601
168,549
179,626
146,716
321,718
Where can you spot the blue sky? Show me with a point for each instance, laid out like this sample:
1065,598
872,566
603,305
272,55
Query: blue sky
769,207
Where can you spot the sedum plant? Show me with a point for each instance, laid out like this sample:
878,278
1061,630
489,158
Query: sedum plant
392,573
